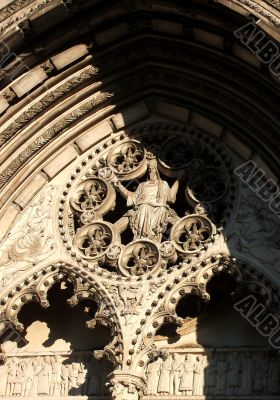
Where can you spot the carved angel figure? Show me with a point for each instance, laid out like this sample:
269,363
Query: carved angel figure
31,239
151,212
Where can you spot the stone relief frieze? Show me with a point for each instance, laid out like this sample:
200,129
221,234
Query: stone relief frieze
31,240
226,372
193,372
53,375
256,232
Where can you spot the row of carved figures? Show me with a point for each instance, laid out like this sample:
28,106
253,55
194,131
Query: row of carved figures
232,373
52,376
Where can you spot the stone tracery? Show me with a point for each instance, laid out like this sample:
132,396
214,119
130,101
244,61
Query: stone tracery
161,237
96,244
139,258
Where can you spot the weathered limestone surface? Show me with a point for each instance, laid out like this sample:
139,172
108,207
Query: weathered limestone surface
127,233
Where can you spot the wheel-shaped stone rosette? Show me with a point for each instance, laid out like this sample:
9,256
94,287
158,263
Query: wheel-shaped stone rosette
191,233
139,258
92,241
176,155
208,185
127,160
93,194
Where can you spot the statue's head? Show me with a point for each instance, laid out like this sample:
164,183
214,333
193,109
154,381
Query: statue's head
153,170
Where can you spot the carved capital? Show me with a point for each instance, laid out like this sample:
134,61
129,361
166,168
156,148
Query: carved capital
125,386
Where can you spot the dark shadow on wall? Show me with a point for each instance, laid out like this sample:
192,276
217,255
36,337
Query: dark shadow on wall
223,371
222,356
239,361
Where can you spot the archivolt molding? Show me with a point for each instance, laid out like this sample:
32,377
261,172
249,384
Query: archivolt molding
249,85
68,120
57,93
23,10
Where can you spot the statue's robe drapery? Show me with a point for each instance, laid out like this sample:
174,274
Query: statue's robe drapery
151,209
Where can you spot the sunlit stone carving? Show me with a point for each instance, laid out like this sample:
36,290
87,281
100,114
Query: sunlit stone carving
93,195
151,212
127,159
140,257
94,239
191,233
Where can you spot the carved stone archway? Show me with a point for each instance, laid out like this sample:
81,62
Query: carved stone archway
128,135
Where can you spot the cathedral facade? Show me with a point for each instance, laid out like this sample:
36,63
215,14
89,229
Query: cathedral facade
140,203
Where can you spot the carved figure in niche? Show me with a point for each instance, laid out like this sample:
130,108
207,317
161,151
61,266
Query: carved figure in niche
56,375
74,374
94,377
153,373
247,376
24,375
28,377
186,383
259,376
82,379
17,379
11,376
210,376
151,212
117,391
257,231
36,366
132,392
44,378
177,367
273,374
234,374
65,379
198,381
164,379
3,379
221,374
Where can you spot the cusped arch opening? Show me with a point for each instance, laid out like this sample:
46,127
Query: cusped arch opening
189,306
66,323
221,287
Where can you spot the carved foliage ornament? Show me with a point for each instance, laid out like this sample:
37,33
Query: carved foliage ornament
143,204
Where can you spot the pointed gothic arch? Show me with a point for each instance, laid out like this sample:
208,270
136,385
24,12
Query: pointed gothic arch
95,96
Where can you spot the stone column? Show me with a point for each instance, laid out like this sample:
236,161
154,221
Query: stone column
125,385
